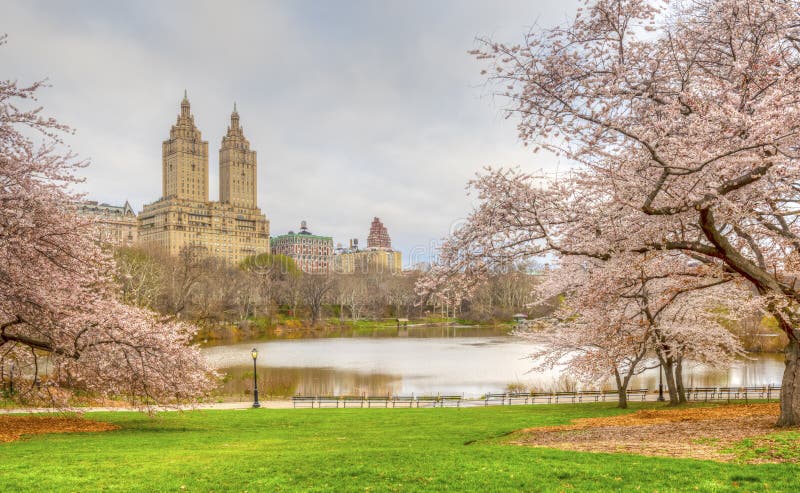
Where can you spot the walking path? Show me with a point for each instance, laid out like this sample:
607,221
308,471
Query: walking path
288,404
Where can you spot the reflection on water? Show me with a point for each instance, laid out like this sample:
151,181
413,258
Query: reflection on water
757,370
278,381
384,331
453,361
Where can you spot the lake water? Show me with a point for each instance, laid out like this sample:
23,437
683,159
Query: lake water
428,360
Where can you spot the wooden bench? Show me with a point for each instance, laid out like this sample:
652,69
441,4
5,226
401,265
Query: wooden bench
444,400
754,392
328,399
403,399
773,391
519,396
613,394
378,399
352,399
427,400
543,396
728,393
638,393
706,392
564,395
494,398
594,395
303,399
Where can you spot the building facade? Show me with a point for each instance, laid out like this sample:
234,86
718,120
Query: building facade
378,258
311,253
116,225
378,238
232,228
368,262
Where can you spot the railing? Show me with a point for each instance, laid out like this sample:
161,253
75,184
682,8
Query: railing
696,394
767,392
345,401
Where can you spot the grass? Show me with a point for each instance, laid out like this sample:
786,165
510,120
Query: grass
354,450
782,446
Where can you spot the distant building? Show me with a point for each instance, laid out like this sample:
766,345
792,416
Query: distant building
368,262
116,224
378,236
311,253
377,258
232,228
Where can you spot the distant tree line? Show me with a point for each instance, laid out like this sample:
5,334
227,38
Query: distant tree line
197,287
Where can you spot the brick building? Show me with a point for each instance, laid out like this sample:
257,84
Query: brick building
378,258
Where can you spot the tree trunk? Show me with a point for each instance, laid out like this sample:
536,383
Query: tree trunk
669,377
790,387
679,381
622,396
622,390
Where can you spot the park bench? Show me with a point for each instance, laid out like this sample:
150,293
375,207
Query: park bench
519,396
403,399
706,392
328,401
489,397
773,391
591,395
754,392
444,400
302,400
728,393
427,400
542,396
378,399
609,394
638,393
566,395
352,400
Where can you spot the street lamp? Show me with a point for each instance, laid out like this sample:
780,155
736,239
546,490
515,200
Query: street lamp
660,383
254,354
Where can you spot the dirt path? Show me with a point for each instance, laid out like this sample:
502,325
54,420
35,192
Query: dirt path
699,433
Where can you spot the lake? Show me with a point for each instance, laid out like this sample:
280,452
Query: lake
429,360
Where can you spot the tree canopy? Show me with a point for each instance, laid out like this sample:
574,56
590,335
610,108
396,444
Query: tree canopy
57,297
683,126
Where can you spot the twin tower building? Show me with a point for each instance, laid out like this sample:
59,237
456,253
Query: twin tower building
234,227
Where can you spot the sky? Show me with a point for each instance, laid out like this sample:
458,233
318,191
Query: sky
356,108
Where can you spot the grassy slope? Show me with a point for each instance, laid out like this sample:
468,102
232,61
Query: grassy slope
380,450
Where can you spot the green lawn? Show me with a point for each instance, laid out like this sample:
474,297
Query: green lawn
354,450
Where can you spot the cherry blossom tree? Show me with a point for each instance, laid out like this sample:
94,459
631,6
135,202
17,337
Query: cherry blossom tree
57,296
596,332
615,313
683,123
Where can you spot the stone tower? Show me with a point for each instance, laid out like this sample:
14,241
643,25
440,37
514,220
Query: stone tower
237,167
185,159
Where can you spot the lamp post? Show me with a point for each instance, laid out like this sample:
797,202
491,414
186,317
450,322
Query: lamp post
254,354
660,383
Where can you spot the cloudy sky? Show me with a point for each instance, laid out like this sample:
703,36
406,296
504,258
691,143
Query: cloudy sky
356,109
